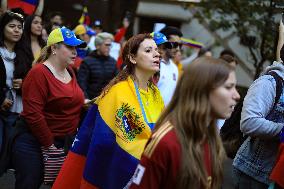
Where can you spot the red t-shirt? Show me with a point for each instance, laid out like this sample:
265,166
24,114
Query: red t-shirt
160,162
51,108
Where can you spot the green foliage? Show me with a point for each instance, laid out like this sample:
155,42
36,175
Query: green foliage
252,20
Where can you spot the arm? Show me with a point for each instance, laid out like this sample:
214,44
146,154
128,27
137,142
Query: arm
83,77
39,8
35,94
4,5
257,105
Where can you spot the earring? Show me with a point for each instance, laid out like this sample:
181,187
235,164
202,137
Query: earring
53,52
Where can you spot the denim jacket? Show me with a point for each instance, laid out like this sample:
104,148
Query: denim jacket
262,123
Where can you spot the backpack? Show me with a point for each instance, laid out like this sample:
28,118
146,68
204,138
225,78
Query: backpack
230,133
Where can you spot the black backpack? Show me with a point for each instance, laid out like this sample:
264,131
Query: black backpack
231,134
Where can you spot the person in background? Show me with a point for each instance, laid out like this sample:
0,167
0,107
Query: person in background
262,122
12,71
204,52
56,20
52,103
229,56
98,28
97,69
32,38
119,123
169,71
161,41
185,150
81,33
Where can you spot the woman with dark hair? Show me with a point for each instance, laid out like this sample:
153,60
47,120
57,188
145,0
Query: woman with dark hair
32,36
12,70
185,150
119,123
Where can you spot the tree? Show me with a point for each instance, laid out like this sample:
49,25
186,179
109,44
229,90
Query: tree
252,21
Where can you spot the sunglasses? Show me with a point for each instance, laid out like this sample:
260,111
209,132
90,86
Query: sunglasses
172,45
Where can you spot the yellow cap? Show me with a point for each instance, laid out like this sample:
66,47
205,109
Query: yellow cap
66,36
80,29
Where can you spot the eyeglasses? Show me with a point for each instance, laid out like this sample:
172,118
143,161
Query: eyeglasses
172,45
10,13
107,44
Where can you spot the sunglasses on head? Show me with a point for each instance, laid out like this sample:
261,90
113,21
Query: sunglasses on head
10,13
172,45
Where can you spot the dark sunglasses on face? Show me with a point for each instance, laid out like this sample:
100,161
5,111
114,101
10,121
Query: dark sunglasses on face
107,44
172,45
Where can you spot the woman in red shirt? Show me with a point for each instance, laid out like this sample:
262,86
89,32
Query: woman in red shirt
185,150
52,103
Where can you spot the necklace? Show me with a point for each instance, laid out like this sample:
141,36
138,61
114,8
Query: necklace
57,74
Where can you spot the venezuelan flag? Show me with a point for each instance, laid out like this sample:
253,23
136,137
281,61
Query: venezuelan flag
28,6
85,18
277,174
111,140
191,43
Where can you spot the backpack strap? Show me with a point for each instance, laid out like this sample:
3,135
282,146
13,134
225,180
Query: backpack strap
279,86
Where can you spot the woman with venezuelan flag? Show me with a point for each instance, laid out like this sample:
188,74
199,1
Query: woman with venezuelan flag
117,127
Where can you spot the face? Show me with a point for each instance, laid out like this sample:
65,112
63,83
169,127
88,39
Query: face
13,31
85,37
36,27
147,59
104,48
224,98
174,51
66,54
57,19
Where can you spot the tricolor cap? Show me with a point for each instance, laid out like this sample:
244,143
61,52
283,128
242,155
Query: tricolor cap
66,36
159,38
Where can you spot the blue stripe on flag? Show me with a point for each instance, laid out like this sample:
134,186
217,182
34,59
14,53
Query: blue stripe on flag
83,138
33,2
108,166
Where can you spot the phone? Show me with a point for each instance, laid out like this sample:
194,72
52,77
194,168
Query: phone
282,17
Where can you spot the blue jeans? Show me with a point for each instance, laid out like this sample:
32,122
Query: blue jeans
27,161
7,120
243,181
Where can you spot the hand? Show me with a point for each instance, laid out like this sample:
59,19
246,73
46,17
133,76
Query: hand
87,101
7,103
17,83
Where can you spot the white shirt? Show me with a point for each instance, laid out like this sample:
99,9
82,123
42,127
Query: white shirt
168,80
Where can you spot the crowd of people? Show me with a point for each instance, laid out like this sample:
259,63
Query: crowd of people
85,108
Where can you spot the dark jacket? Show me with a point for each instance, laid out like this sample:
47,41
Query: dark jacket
95,73
19,73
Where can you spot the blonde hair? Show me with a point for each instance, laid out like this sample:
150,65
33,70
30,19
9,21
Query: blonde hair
191,114
45,53
101,37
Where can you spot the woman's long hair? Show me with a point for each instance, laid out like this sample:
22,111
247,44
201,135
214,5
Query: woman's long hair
190,112
21,67
130,49
27,39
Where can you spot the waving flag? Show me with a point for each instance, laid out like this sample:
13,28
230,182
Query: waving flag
277,174
28,6
85,18
191,43
108,148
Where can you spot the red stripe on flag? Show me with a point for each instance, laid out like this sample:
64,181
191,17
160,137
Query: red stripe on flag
86,185
71,173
